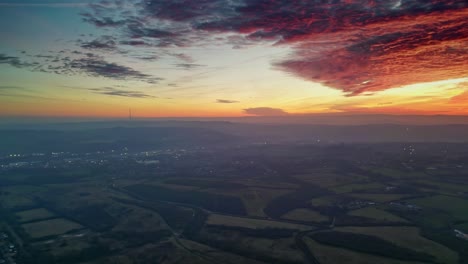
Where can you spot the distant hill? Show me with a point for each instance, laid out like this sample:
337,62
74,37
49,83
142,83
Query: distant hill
88,140
168,134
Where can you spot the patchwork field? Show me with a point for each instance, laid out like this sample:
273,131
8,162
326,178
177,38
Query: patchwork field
51,227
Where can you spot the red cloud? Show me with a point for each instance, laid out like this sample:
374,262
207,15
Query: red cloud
388,54
357,46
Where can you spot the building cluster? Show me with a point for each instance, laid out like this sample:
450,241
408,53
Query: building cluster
8,250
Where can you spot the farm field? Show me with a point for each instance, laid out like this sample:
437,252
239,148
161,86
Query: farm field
407,237
315,204
51,227
377,214
306,215
34,214
332,255
231,221
454,206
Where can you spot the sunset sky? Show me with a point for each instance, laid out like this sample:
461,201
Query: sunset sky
186,58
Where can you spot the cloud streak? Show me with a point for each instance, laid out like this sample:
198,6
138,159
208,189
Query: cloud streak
95,66
225,101
120,93
265,111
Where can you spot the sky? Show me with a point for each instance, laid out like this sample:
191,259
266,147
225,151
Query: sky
214,58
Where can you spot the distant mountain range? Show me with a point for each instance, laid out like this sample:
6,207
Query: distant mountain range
146,135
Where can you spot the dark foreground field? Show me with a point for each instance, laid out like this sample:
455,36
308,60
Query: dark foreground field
219,198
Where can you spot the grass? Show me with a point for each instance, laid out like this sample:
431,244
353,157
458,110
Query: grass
324,201
224,220
326,179
407,237
52,227
377,214
34,214
15,201
398,174
448,188
267,250
356,187
226,257
456,207
333,255
307,215
378,197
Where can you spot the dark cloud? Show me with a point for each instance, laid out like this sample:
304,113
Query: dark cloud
104,42
357,46
86,63
137,29
15,61
99,67
188,66
183,57
102,21
119,92
225,101
136,43
265,111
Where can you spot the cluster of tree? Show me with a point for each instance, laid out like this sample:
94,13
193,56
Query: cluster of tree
271,233
206,184
214,202
136,239
193,228
298,199
93,216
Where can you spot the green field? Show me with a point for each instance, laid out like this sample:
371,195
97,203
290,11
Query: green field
378,197
15,200
51,227
34,214
302,214
407,237
444,187
334,255
398,174
327,200
326,178
224,220
377,214
356,187
456,207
